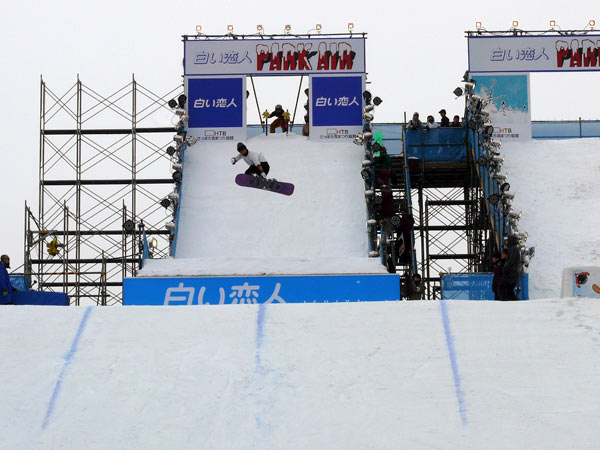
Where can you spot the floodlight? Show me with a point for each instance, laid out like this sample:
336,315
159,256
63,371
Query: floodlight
259,28
198,28
153,243
369,193
553,23
369,108
288,28
178,138
165,203
504,187
515,215
191,140
350,26
366,163
482,161
129,226
592,23
230,28
515,23
478,25
365,174
368,117
500,177
173,195
494,199
170,226
171,150
367,96
377,101
458,92
181,100
318,27
172,103
177,166
371,222
177,176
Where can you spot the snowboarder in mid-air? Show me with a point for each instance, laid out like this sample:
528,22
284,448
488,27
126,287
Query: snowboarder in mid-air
256,161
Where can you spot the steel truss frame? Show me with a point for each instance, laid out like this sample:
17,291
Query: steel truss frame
102,167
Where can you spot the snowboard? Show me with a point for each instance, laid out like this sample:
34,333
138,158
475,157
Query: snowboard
265,184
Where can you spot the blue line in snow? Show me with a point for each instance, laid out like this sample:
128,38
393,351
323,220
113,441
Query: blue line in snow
260,324
452,354
68,359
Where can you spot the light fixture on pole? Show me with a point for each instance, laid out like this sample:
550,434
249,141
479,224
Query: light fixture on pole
478,25
515,23
260,29
350,27
198,29
287,29
230,28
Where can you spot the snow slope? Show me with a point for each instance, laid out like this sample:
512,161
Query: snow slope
468,375
556,184
227,229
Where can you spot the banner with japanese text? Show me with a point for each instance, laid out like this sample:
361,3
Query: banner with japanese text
553,53
507,98
336,107
274,56
266,289
216,108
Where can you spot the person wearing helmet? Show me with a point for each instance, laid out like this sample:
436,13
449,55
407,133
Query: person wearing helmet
280,121
256,161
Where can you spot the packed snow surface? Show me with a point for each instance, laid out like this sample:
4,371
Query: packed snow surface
227,229
556,185
519,375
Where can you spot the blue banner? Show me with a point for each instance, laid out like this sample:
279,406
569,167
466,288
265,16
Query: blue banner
216,102
276,289
336,101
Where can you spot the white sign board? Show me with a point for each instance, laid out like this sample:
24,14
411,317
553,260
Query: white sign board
554,53
274,56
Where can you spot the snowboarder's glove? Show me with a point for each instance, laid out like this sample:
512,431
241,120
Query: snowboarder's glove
263,175
233,160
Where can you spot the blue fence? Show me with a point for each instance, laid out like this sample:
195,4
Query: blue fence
476,286
437,145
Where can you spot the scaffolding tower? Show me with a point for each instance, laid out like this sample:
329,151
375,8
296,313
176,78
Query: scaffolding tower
103,171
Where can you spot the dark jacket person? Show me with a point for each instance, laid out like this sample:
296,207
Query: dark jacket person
511,270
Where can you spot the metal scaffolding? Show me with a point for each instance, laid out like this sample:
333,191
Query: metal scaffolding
103,171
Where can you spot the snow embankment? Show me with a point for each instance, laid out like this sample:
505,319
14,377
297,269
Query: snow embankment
227,229
556,184
349,375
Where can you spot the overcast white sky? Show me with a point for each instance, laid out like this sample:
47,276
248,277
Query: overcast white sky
416,55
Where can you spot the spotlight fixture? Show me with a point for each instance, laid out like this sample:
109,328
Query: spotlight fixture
494,199
478,25
504,187
350,27
198,28
287,29
318,27
171,150
129,226
177,176
553,23
377,101
367,96
515,23
173,196
170,226
172,103
592,23
181,100
230,28
259,28
458,92
371,222
153,243
165,203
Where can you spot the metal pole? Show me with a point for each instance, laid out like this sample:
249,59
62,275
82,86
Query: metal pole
256,98
78,194
297,98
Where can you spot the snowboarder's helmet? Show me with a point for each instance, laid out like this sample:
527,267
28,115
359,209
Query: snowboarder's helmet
278,107
240,146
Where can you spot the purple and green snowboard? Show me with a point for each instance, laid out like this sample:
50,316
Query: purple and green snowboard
265,184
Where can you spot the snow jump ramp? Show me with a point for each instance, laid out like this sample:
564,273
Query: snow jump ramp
239,245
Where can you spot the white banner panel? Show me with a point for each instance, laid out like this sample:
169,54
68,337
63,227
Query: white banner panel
508,104
274,56
534,53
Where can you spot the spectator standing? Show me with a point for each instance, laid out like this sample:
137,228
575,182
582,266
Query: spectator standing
416,288
497,262
444,122
511,270
5,286
415,123
456,122
431,123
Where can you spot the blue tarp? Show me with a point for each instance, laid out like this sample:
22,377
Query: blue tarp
476,286
437,145
40,298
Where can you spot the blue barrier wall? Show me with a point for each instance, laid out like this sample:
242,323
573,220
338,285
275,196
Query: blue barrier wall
439,144
476,286
40,298
269,289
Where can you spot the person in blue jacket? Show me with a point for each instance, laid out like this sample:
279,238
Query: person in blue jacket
5,286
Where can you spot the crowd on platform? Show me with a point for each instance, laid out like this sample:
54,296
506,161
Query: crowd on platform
416,124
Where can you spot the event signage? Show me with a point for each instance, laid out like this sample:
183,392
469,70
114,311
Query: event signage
507,97
246,290
586,283
552,53
216,108
336,107
274,56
